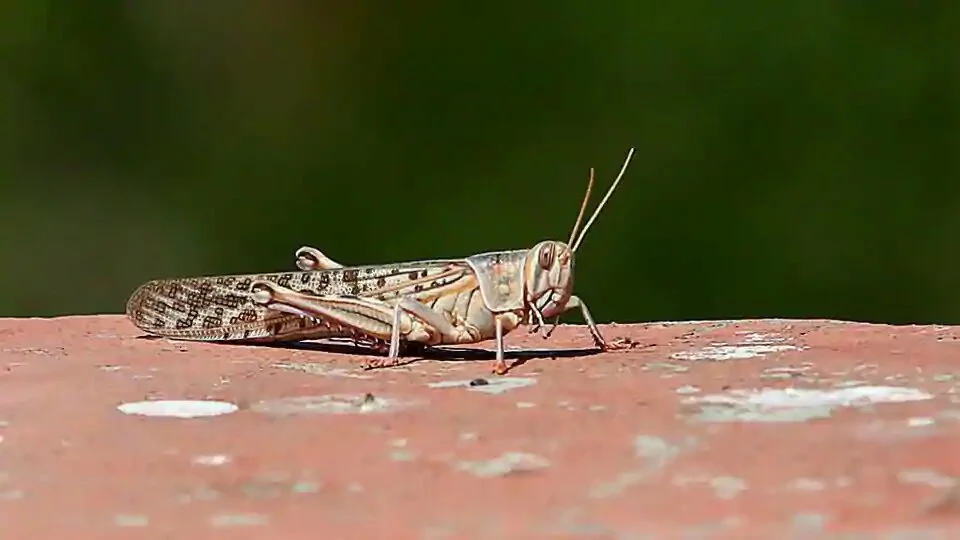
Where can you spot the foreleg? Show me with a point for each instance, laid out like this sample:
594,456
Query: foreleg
575,301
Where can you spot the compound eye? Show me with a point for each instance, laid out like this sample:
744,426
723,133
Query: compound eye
546,257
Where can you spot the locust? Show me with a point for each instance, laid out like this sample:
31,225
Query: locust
387,307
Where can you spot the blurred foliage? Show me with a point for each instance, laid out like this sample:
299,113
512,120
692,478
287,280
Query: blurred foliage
793,159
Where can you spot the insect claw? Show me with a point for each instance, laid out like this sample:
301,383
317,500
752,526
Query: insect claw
549,332
600,342
537,318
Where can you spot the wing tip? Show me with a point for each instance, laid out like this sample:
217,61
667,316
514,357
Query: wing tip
134,308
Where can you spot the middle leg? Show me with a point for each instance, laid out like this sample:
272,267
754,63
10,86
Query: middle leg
434,328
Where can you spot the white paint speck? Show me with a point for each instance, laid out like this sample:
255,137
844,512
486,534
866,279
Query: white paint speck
789,370
724,487
849,383
507,463
12,494
131,520
730,352
807,484
305,486
178,408
214,460
355,487
497,385
920,422
802,397
796,404
111,368
238,520
757,337
334,404
810,521
402,455
928,477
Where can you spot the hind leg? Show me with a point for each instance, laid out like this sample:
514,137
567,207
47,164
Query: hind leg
311,258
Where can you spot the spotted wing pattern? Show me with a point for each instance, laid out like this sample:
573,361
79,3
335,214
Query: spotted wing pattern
221,308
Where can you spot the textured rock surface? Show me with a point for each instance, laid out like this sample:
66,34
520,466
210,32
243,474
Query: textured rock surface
740,429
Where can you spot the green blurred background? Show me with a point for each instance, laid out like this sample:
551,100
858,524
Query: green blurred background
794,159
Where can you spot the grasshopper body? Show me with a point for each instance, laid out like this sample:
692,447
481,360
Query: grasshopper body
437,302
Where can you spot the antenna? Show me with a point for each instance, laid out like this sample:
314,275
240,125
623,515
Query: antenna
596,212
583,208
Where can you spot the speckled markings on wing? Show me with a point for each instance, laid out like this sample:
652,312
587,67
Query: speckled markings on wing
221,308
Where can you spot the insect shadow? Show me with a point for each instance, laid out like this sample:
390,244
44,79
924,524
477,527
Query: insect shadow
414,352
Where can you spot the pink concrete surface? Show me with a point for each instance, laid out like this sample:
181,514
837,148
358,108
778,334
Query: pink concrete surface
704,430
